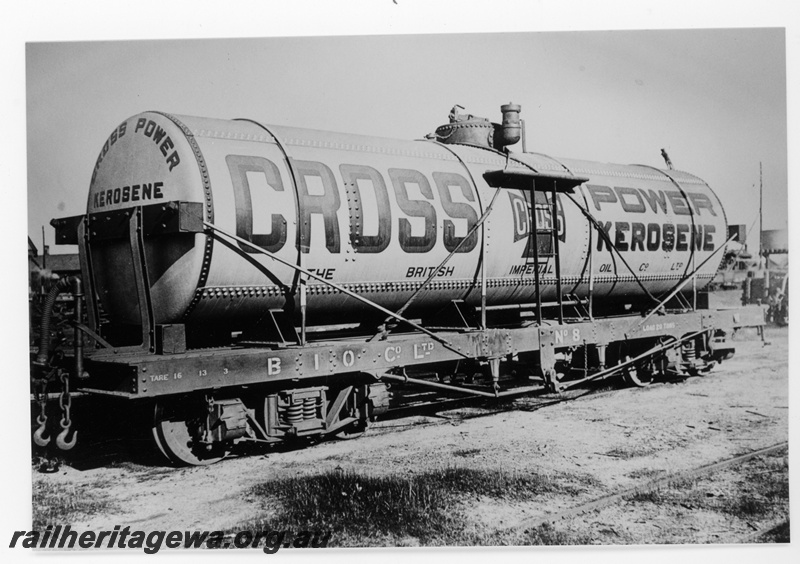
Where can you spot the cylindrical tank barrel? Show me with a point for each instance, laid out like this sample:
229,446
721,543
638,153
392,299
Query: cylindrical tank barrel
378,216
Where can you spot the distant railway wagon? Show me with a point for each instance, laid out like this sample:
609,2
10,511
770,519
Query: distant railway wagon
251,282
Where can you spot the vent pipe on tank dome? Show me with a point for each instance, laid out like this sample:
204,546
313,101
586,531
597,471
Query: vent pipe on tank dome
466,129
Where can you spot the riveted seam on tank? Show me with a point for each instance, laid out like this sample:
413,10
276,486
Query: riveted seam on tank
394,286
209,243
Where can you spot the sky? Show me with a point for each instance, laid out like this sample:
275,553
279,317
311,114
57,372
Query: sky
714,99
706,82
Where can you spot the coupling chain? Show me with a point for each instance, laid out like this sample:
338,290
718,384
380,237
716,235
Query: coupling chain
40,394
585,359
65,401
206,427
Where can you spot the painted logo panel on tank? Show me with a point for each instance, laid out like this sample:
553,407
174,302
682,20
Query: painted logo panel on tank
684,234
147,160
651,231
382,223
377,223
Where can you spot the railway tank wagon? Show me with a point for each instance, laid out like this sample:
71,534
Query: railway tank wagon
256,282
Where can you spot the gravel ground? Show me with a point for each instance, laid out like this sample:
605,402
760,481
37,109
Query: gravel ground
612,440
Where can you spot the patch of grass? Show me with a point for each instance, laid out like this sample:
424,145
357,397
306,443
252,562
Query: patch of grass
686,483
747,507
548,535
61,504
764,488
776,486
626,453
426,506
466,453
779,534
757,490
645,473
153,474
141,472
653,496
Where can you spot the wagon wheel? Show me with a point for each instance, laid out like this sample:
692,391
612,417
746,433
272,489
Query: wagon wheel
705,369
360,405
638,376
176,431
356,429
353,431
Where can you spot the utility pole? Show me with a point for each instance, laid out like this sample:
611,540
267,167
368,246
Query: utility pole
760,211
761,255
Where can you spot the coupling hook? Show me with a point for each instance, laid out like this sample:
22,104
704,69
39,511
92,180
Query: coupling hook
37,435
61,439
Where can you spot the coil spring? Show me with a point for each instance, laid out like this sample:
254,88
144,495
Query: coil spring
300,410
310,408
294,412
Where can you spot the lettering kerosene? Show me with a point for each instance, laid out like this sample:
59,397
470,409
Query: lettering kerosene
134,193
